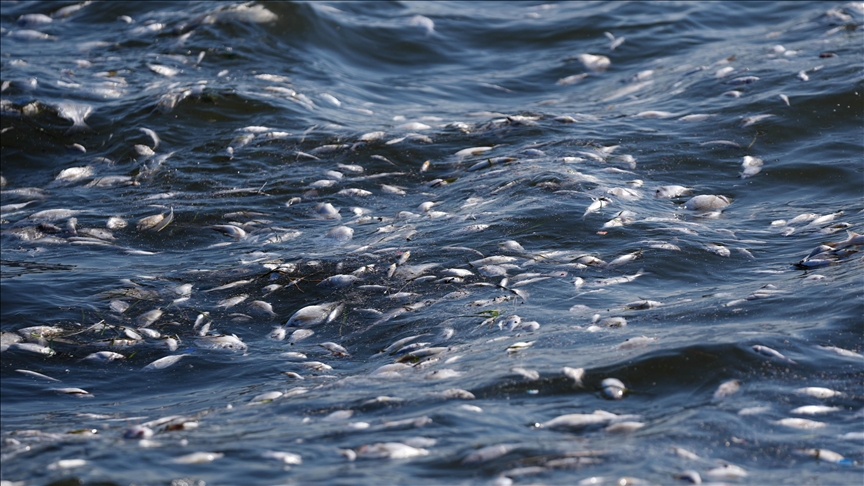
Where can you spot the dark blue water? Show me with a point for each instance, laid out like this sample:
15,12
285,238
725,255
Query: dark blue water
399,145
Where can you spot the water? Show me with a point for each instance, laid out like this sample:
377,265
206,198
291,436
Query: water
318,76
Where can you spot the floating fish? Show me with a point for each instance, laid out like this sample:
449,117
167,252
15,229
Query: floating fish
727,388
594,62
163,363
314,315
750,166
613,388
707,202
771,353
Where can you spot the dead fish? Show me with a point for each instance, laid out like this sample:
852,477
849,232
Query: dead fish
637,342
727,388
225,342
32,348
153,136
853,239
157,222
707,202
277,334
231,230
751,166
670,192
575,374
718,249
842,352
263,307
41,332
742,80
720,142
594,62
443,374
685,454
199,457
613,388
472,151
30,35
316,366
771,353
397,345
314,315
576,421
150,333
335,349
642,305
662,245
104,356
814,410
230,285
612,322
697,117
76,392
74,174
37,375
530,375
727,471
654,114
598,204
799,423
617,280
148,318
232,301
34,19
629,257
818,392
752,120
826,455
162,363
690,476
338,281
50,215
516,347
615,42
390,450
340,234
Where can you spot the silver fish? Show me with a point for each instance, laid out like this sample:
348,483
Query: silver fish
583,420
231,230
224,342
334,348
598,204
162,363
232,301
338,281
263,307
312,315
727,388
594,62
616,280
37,375
104,356
707,202
750,166
771,353
613,388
